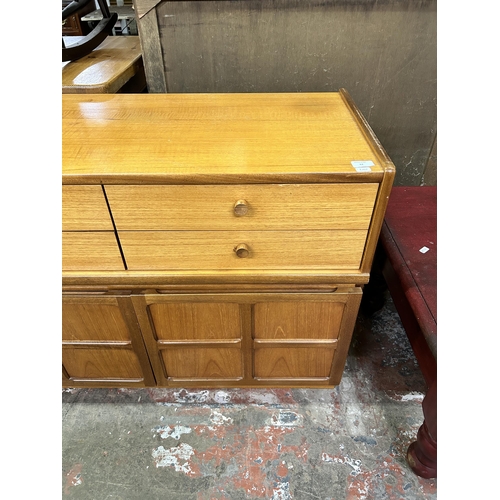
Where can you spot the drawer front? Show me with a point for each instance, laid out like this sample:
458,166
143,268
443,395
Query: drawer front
239,250
90,251
84,208
253,207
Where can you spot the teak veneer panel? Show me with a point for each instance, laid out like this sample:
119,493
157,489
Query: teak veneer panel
191,250
102,363
86,321
293,363
303,320
269,206
91,251
84,208
208,363
230,137
196,321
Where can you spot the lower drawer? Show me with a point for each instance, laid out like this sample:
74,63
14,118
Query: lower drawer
231,250
91,251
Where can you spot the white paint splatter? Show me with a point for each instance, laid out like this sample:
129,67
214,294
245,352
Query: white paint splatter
354,463
282,491
177,457
222,397
184,396
173,432
413,396
263,398
218,418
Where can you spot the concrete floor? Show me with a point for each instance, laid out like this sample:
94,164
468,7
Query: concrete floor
345,443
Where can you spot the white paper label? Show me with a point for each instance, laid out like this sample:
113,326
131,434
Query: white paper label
362,165
424,250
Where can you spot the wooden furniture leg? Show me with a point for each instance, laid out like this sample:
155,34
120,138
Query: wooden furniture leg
422,454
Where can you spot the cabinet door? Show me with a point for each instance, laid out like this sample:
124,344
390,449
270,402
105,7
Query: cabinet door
248,339
102,343
193,339
303,339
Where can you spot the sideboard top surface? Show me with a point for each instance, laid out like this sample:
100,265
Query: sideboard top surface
217,138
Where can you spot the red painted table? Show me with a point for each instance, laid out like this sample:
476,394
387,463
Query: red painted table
408,241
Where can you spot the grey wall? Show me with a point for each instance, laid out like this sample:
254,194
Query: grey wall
383,52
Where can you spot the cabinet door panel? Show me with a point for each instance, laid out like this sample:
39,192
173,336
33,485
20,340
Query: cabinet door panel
298,320
102,343
196,321
86,321
207,363
287,362
101,363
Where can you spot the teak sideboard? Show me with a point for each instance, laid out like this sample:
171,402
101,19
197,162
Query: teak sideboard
216,239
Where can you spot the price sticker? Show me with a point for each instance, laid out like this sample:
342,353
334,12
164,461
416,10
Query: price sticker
363,165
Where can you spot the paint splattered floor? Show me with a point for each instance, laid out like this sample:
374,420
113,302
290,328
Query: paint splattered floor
345,443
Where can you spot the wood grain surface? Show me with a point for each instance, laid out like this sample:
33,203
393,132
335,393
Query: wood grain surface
297,320
196,321
214,250
101,363
208,363
288,362
84,209
90,250
270,206
106,69
222,137
86,321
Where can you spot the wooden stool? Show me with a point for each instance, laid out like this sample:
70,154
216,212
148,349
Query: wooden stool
407,261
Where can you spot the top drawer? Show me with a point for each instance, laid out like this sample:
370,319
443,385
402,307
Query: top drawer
84,208
249,207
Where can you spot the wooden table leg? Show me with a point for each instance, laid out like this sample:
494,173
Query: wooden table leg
422,454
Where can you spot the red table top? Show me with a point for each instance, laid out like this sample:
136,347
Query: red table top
410,224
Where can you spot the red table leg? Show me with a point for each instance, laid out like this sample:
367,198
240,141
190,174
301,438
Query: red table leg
422,454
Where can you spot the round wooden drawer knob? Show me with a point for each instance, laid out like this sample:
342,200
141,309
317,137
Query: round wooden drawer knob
240,208
242,250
